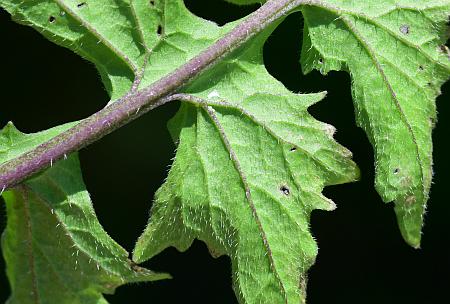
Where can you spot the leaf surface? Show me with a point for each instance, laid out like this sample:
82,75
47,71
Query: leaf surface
116,35
55,249
250,167
245,179
251,162
395,53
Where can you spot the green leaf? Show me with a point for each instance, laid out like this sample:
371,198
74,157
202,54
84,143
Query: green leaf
250,167
117,35
395,53
251,162
55,249
245,179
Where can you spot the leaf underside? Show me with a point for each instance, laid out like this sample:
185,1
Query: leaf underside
54,247
251,162
395,53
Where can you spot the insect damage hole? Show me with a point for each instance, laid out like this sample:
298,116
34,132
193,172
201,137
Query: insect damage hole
396,170
152,3
285,190
51,19
293,149
159,30
81,4
404,29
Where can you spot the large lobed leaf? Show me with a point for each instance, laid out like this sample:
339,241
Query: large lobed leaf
395,53
55,249
246,176
250,167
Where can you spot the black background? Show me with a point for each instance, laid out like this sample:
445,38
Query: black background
362,257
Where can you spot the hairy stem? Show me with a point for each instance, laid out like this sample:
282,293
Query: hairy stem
135,104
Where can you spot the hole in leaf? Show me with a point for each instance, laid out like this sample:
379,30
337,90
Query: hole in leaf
396,170
320,60
51,19
404,29
219,11
285,190
159,30
421,67
152,3
293,149
81,4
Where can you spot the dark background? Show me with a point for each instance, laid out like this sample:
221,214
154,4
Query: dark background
362,257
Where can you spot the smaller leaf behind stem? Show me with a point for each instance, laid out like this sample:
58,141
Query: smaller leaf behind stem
54,247
393,52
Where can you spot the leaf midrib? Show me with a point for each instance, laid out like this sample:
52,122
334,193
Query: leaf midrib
130,63
31,259
67,229
229,105
394,98
243,178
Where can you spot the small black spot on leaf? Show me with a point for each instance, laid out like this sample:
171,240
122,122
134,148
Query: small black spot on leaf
159,30
81,4
293,149
152,3
320,60
396,170
285,190
51,19
404,29
421,67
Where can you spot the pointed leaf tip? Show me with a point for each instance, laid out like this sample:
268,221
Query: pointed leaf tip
410,215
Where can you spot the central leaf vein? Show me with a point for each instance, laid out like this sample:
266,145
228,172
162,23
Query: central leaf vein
372,56
211,113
